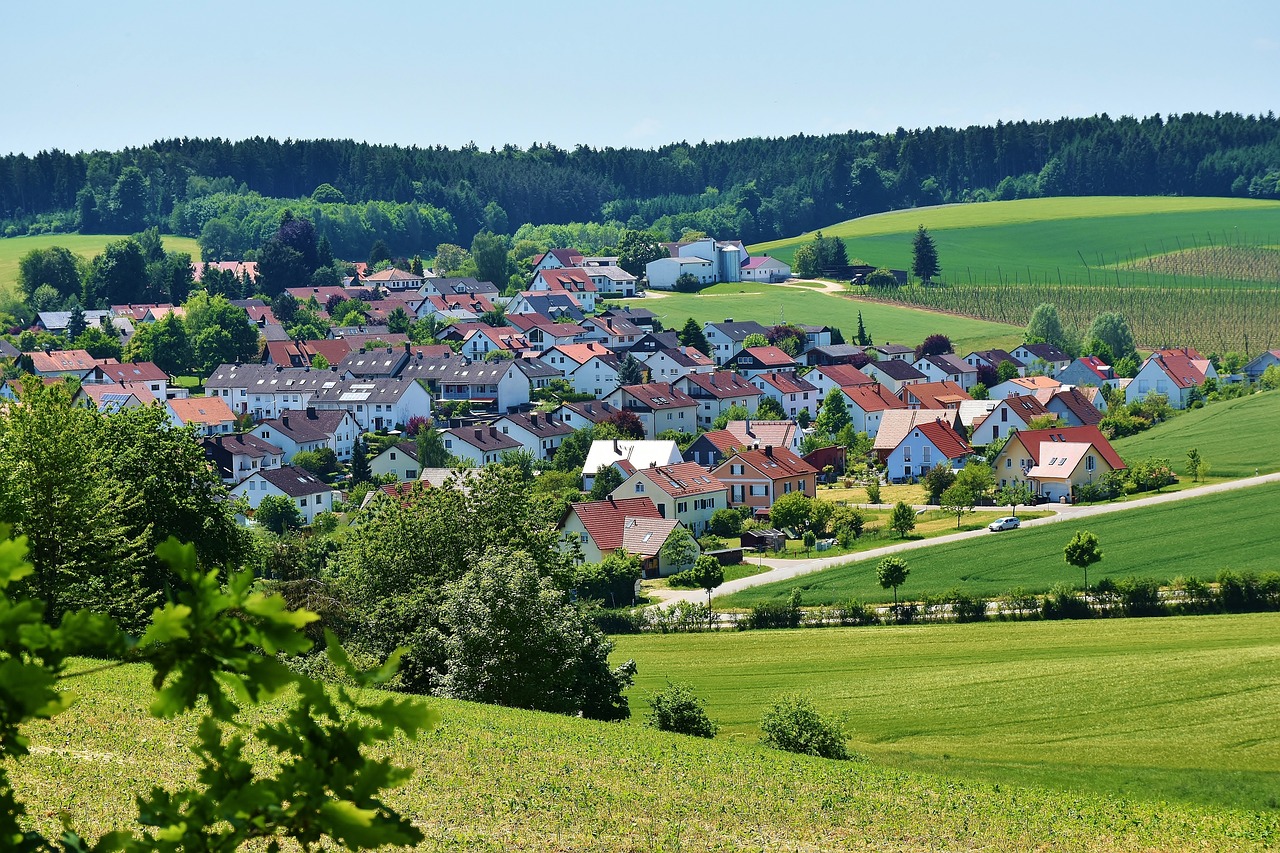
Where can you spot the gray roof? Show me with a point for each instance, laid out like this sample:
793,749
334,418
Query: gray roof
740,330
270,379
895,369
464,285
385,362
534,369
366,391
309,424
293,481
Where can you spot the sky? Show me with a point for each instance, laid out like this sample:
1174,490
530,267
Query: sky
93,75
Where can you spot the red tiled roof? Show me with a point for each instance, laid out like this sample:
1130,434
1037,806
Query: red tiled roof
844,375
202,410
872,398
762,433
949,442
1034,439
1080,406
684,479
787,383
723,440
774,463
1181,366
61,360
935,395
571,280
606,519
138,371
770,356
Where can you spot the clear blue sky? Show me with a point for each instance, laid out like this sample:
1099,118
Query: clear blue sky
98,75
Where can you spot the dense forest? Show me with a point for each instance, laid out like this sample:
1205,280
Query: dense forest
232,193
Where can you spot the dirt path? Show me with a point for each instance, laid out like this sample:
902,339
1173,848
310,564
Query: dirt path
786,569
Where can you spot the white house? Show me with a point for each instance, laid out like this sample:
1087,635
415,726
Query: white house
399,460
311,429
376,404
1173,372
684,491
309,495
660,406
628,455
794,393
727,339
480,445
538,432
263,390
501,385
947,368
717,392
663,273
668,365
1041,358
210,415
1012,413
893,373
237,457
590,368
765,269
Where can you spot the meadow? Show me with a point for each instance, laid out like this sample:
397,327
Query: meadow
492,778
1237,437
770,305
1199,536
85,245
1174,709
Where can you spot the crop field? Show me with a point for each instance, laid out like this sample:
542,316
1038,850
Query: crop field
770,305
497,779
1237,437
85,245
1175,709
1198,536
1239,263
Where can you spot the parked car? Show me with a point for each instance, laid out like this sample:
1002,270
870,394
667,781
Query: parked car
1007,523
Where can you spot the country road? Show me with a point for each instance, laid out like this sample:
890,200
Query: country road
786,569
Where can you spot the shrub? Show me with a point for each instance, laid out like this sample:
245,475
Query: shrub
1140,597
967,608
873,492
775,614
1019,605
1063,602
1197,598
676,709
793,724
683,580
854,612
726,523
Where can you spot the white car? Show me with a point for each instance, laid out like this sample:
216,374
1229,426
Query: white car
1008,523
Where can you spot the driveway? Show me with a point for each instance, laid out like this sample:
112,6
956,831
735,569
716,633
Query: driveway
780,570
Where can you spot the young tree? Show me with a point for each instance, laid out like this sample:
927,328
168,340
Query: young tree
1045,326
903,520
791,510
793,724
1082,552
687,283
834,414
360,470
862,338
810,539
924,256
708,574
1015,494
606,480
978,478
398,321
680,551
937,480
279,514
1197,467
630,370
892,572
958,500
770,409
691,335
677,709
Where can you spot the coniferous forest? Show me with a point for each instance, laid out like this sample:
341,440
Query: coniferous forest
231,194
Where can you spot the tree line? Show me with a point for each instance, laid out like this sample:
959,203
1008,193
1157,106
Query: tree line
754,189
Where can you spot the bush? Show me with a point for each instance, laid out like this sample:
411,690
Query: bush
1020,605
1140,597
967,608
1063,602
676,709
1197,597
873,492
726,523
683,580
770,614
792,724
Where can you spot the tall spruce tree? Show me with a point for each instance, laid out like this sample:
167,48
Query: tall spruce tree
924,255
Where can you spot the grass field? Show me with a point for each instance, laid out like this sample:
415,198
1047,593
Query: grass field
1160,709
496,779
86,245
1237,437
1080,240
770,305
1232,530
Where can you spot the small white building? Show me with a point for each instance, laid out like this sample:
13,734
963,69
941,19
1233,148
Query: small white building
765,269
400,460
309,494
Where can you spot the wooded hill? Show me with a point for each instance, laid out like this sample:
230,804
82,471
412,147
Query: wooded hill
753,189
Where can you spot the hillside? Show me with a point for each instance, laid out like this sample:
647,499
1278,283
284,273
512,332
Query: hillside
84,245
497,779
1092,240
1237,437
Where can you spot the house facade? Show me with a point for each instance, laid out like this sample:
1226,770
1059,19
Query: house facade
757,478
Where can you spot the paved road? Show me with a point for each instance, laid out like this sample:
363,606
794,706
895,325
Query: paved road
787,569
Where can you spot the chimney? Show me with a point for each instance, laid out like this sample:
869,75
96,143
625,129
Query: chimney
362,350
616,449
279,368
389,350
728,319
218,439
768,450
533,419
284,420
493,432
479,434
311,412
406,347
748,426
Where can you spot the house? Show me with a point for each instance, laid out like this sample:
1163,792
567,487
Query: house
590,368
868,404
896,424
394,280
834,457
57,322
443,286
727,339
585,414
616,333
816,336
538,373
766,359
706,259
542,333
752,433
1073,408
501,385
663,273
1088,370
1055,462
713,447
1257,366
1041,358
1015,412
835,354
659,405
399,460
538,432
75,363
794,393
828,376
933,395
379,363
893,374
651,342
612,281
642,317
554,305
716,393
311,429
683,491
757,478
765,269
993,358
309,494
928,444
108,399
263,390
376,404
303,353
479,445
1175,373
1022,385
238,456
210,415
668,365
557,259
629,456
143,374
947,368
630,525
571,280
891,352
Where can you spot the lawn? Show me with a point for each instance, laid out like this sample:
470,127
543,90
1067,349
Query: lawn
770,305
1236,437
498,779
1080,240
1199,536
1161,709
929,525
85,245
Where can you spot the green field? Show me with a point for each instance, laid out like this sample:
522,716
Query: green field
496,779
86,245
770,305
1237,437
1077,240
1199,536
1160,709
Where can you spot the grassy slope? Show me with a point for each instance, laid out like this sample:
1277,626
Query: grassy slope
1177,708
1050,235
1199,537
768,304
492,778
85,245
1237,437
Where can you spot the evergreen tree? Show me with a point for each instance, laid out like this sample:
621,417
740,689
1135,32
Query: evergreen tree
360,470
630,370
924,256
691,335
862,339
378,253
76,324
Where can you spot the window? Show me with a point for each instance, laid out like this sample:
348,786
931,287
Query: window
760,491
1090,463
1008,463
683,506
639,488
302,501
1004,415
393,456
786,488
736,470
926,450
906,453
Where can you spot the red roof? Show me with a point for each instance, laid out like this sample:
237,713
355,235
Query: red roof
935,395
1184,367
770,356
723,440
61,361
138,371
773,462
949,442
872,398
683,479
605,520
571,280
1079,405
845,375
1034,439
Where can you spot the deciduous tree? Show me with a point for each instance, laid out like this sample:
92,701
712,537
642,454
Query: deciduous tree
1082,552
892,572
903,519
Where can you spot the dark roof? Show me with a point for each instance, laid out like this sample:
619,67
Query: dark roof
293,481
895,369
363,391
268,379
383,361
592,410
240,444
659,395
1078,405
302,425
537,423
484,438
533,368
1046,352
738,331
